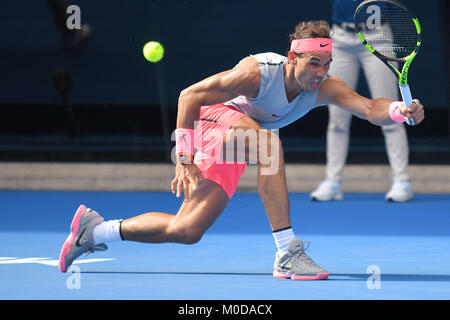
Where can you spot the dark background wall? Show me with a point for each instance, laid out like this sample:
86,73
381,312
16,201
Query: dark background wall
201,37
115,90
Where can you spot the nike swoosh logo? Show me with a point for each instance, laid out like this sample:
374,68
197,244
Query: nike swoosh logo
184,138
323,45
77,243
274,115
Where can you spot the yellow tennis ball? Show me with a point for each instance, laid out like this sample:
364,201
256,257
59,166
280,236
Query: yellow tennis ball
153,51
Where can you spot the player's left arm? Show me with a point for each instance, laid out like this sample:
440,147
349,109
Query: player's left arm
335,91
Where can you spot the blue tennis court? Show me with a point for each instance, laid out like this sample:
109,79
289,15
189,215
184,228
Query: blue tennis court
372,249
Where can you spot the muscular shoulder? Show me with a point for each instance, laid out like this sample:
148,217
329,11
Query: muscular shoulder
261,67
243,79
247,76
248,67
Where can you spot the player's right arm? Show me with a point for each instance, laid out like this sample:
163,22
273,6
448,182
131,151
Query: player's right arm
243,79
376,111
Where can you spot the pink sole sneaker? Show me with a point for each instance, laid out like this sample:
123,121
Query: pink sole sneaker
319,276
74,226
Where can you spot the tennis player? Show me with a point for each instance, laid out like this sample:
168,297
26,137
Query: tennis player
262,92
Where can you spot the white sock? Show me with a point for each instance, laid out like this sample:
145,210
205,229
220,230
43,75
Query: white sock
107,231
283,238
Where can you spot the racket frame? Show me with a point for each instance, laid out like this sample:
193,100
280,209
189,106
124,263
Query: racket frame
403,75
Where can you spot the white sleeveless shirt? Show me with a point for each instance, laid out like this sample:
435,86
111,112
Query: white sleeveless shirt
271,108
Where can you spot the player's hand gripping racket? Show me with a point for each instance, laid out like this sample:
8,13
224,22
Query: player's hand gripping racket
392,33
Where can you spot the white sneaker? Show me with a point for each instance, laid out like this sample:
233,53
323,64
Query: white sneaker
400,191
297,265
328,190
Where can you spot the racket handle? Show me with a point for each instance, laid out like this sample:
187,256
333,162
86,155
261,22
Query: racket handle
407,100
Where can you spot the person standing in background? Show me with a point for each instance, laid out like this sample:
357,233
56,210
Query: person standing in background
348,57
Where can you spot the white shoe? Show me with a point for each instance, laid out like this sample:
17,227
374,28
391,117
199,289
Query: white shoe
328,190
400,191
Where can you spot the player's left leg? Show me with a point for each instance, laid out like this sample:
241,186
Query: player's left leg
266,151
291,261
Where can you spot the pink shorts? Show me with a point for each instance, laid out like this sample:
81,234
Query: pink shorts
209,138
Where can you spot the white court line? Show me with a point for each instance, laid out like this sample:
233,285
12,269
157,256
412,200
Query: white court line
45,261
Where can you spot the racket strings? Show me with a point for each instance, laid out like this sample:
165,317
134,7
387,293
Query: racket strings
390,31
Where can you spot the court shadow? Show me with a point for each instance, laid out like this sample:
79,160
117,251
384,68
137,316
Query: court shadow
390,277
333,276
181,273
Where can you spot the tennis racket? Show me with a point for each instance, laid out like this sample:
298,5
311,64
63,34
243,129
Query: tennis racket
392,33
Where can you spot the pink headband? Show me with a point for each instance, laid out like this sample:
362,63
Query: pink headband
311,44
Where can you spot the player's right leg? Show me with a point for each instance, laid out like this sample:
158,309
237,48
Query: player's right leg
187,226
194,216
80,239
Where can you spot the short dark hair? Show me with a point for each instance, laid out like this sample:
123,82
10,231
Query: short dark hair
310,29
